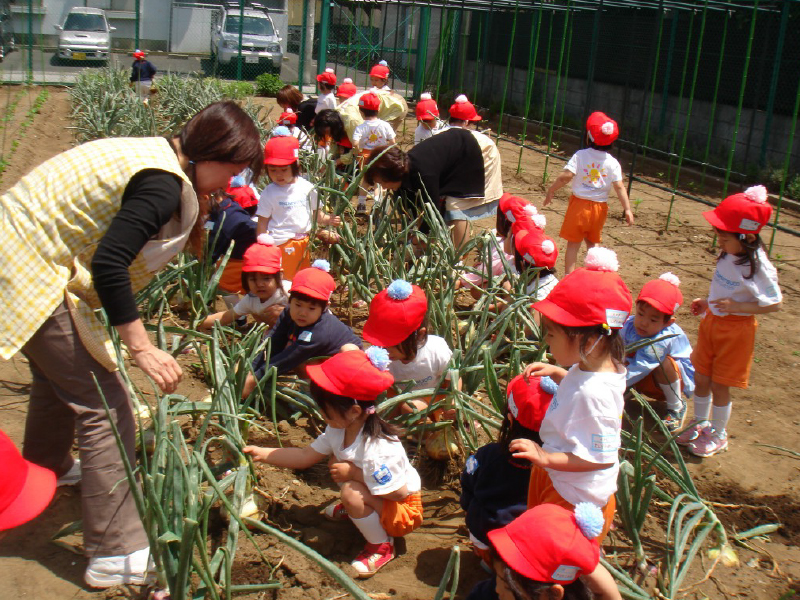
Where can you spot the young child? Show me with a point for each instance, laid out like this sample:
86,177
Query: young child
326,83
597,172
379,76
380,490
397,322
346,89
228,223
427,112
333,140
494,485
476,282
578,460
306,329
744,284
305,108
261,279
661,370
548,553
142,74
462,112
286,205
243,193
535,250
373,132
288,118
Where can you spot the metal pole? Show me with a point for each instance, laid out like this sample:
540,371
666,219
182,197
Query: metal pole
547,68
241,29
684,68
667,72
30,41
508,71
302,57
592,61
324,25
422,50
138,10
654,67
571,11
477,50
532,53
555,97
714,98
773,86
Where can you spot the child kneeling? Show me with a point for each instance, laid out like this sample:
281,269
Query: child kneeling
380,490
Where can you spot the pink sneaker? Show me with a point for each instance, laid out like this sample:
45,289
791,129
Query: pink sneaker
336,512
372,558
709,443
692,433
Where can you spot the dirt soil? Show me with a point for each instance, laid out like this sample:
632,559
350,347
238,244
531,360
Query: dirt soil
751,484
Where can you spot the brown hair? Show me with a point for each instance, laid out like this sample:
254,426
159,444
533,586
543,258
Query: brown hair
295,169
276,276
392,165
611,341
416,340
374,426
290,95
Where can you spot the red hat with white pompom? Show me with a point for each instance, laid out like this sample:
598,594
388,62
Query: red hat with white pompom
536,248
327,76
463,110
395,313
426,109
508,203
593,295
282,148
315,281
26,488
746,212
346,89
381,70
603,130
528,400
528,218
354,374
369,100
262,257
288,117
663,294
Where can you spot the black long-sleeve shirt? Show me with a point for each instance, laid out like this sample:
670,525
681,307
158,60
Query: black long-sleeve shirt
142,70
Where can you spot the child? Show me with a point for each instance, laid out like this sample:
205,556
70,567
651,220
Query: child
597,172
380,490
286,204
346,90
578,460
427,113
379,76
305,108
476,281
661,370
288,118
333,141
548,553
229,223
744,284
306,328
396,322
462,113
373,132
326,82
142,73
261,279
494,485
535,250
243,193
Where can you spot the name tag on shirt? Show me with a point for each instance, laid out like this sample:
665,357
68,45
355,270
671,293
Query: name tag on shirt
604,443
305,336
383,475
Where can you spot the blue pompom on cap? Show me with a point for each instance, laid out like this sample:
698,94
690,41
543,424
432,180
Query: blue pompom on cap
548,386
281,131
238,181
322,264
399,289
379,357
590,519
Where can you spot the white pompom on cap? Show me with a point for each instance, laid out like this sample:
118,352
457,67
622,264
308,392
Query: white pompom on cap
548,247
539,220
461,99
425,96
756,193
329,70
671,278
347,80
607,128
266,239
601,259
530,210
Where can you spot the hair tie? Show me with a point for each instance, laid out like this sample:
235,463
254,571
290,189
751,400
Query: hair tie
191,162
370,410
606,329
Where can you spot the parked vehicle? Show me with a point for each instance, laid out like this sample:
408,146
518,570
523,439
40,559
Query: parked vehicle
6,30
85,35
260,40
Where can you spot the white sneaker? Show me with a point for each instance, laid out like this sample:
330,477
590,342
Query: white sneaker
136,568
71,477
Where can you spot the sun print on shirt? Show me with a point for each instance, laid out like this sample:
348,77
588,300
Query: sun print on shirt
592,173
373,138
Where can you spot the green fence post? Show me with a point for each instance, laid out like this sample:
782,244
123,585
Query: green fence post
30,41
422,50
302,59
714,98
786,160
508,71
592,62
773,86
668,71
241,30
136,34
324,25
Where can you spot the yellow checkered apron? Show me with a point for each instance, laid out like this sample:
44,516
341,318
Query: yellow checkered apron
51,222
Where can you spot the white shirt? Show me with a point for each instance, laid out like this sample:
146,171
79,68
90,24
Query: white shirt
428,366
372,133
251,305
325,101
423,133
729,282
584,419
595,173
546,284
288,208
384,462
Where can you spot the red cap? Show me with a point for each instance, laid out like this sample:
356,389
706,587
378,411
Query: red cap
262,257
138,54
369,100
288,117
243,195
346,89
25,488
528,400
380,70
426,109
464,110
546,543
315,281
525,218
593,295
508,203
536,248
746,212
663,294
327,76
282,148
395,313
602,129
354,374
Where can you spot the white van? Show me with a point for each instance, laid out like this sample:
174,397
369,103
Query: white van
84,35
261,42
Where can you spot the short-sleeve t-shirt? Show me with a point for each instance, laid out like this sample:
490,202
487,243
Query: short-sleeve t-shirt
595,172
288,208
584,418
383,461
423,133
729,282
373,133
325,101
251,305
428,366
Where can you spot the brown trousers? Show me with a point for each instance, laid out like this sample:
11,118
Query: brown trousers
65,399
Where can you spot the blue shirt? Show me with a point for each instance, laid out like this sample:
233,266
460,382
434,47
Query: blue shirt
142,70
231,223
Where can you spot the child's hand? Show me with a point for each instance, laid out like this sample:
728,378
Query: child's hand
335,220
341,471
699,306
257,453
269,315
539,369
629,217
726,305
529,450
548,199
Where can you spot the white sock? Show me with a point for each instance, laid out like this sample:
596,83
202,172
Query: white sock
702,407
720,415
672,394
371,528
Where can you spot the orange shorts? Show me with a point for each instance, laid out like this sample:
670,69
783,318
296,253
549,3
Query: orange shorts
400,518
648,386
725,347
584,220
541,491
231,279
295,257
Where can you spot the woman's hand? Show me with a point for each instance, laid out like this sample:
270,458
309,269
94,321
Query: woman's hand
160,366
529,450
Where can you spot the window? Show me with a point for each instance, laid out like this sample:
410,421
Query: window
251,25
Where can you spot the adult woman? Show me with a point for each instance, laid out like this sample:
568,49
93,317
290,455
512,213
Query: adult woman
448,169
122,208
